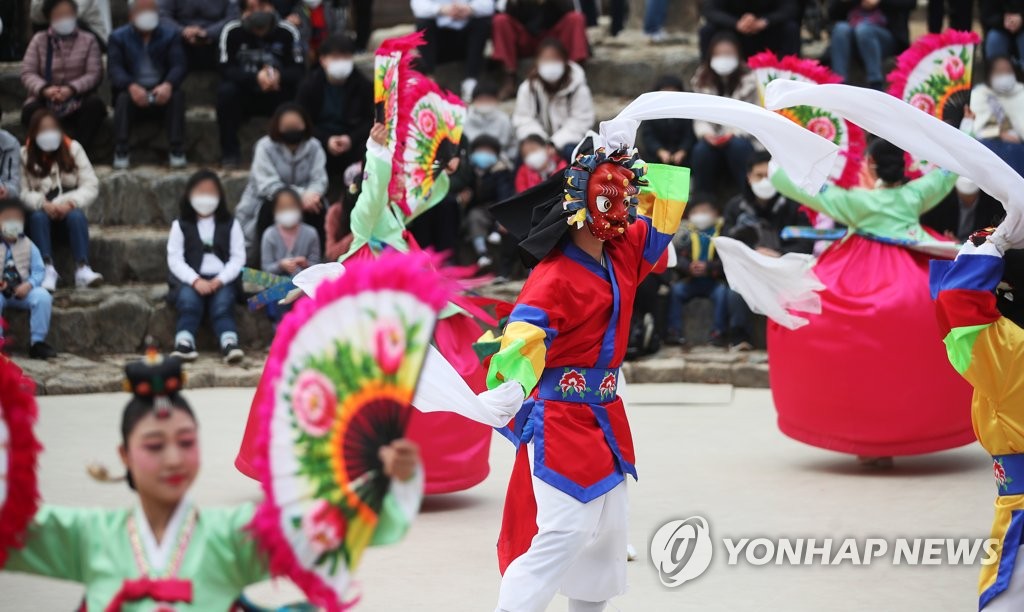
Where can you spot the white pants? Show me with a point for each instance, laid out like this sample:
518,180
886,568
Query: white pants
579,549
1012,599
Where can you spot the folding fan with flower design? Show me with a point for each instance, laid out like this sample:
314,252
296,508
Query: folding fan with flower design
934,75
19,493
343,368
850,139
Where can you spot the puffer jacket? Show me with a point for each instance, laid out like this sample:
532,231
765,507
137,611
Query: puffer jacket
79,186
77,63
563,117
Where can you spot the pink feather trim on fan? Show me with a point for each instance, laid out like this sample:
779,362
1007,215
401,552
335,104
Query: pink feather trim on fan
19,415
921,48
418,273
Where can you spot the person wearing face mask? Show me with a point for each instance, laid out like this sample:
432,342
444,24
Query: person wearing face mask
58,183
262,63
964,211
540,161
205,255
21,277
339,100
147,65
719,147
61,71
316,20
484,116
289,246
93,16
492,183
555,102
998,108
287,157
199,22
454,30
873,29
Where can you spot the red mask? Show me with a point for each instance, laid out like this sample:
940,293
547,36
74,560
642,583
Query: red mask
609,198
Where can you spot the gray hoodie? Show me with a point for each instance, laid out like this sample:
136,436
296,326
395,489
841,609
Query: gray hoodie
495,123
10,164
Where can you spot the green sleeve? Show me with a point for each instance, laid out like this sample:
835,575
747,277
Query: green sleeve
927,192
401,504
373,199
438,193
57,543
250,564
832,201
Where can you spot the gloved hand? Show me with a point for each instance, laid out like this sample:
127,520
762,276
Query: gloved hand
503,401
1010,233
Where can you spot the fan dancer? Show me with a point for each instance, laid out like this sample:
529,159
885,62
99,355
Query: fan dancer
165,552
565,519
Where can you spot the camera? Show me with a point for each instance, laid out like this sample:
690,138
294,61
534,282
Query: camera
12,277
151,97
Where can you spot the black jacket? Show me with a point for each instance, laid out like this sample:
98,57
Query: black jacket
725,13
671,134
243,55
492,186
946,216
993,11
125,47
357,93
897,15
760,227
538,16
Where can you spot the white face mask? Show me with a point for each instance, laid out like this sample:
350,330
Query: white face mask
288,218
65,26
49,140
724,65
146,21
764,189
966,186
702,220
12,229
312,4
204,205
536,160
1004,83
551,72
339,70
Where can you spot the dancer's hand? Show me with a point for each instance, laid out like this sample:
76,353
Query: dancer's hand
379,134
505,400
1010,233
400,458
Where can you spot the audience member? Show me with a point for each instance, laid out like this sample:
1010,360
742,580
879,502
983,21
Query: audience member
667,141
454,30
337,225
21,277
200,23
1003,21
289,246
961,15
261,66
964,211
655,14
339,101
540,160
722,73
492,184
93,16
485,117
438,227
10,166
523,24
997,107
618,9
700,272
757,24
205,255
61,71
757,215
147,66
873,29
554,102
58,183
288,156
317,20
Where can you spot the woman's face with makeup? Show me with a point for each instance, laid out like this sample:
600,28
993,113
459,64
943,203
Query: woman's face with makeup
163,455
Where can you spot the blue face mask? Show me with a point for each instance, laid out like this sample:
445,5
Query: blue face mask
483,159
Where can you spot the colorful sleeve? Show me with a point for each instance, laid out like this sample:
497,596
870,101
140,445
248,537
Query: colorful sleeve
830,200
659,211
929,190
56,543
524,345
964,293
373,199
244,561
401,505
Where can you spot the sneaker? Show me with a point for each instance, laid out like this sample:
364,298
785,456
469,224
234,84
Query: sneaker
185,351
231,162
177,161
494,238
717,339
86,277
741,347
50,277
468,86
499,280
121,161
41,350
484,262
232,354
658,37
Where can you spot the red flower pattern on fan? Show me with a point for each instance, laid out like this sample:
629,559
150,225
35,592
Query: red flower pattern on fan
389,338
314,402
572,382
822,126
923,102
325,526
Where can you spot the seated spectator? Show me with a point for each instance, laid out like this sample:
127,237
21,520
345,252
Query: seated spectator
200,23
93,16
288,156
261,65
757,215
619,10
339,101
758,24
493,184
289,246
337,225
57,184
1003,21
540,161
669,141
961,15
964,211
523,24
555,102
61,71
722,74
998,109
655,14
147,66
873,29
21,277
485,117
205,255
316,20
10,166
455,30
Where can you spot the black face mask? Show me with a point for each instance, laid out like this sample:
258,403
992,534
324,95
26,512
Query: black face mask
259,22
293,137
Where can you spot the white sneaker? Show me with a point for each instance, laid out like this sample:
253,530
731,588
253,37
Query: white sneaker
484,261
467,90
50,277
86,277
122,161
494,238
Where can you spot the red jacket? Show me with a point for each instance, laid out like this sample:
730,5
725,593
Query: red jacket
527,177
